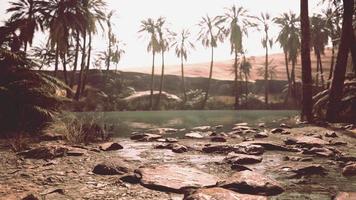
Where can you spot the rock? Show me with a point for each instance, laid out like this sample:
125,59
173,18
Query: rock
174,178
178,148
218,139
171,140
162,131
283,125
218,127
307,141
145,137
110,146
262,134
76,152
201,128
45,152
31,197
349,170
270,146
277,130
114,167
242,159
320,151
331,134
305,169
261,125
240,128
245,149
194,135
217,193
345,196
241,124
337,142
51,136
249,182
239,168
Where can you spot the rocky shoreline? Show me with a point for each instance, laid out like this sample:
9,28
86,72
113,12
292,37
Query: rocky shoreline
247,162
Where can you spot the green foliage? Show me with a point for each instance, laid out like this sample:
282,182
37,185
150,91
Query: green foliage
29,99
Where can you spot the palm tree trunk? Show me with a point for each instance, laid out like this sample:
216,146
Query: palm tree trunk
236,92
246,89
307,101
353,52
317,73
75,60
183,82
337,84
266,72
209,80
160,83
321,71
56,61
88,64
332,64
109,52
288,76
64,62
152,80
82,66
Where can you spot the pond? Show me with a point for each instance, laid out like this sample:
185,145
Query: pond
124,123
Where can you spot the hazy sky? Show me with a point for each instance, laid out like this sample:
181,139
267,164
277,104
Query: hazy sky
182,14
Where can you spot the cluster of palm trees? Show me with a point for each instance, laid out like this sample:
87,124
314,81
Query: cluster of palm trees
70,26
234,24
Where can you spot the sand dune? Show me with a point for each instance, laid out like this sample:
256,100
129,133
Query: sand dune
223,70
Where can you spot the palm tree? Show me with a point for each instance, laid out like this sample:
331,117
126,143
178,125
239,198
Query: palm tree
111,38
245,67
337,84
238,22
26,14
319,39
164,40
289,39
307,101
210,34
149,26
264,21
118,53
182,46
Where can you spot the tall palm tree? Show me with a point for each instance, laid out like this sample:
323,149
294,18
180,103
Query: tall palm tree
26,14
111,38
289,40
164,40
94,15
246,67
118,53
307,101
319,39
238,22
182,45
210,34
337,84
265,21
149,26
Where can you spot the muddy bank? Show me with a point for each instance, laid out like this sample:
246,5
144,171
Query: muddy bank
304,162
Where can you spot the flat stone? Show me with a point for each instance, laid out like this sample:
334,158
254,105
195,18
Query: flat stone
114,167
345,196
162,131
239,168
194,135
241,124
242,159
307,141
145,137
249,182
218,127
268,145
176,148
174,178
45,152
201,128
262,134
277,130
217,193
283,125
349,170
110,146
320,151
245,149
241,128
76,151
301,169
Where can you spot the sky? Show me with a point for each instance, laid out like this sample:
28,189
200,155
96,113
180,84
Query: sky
182,14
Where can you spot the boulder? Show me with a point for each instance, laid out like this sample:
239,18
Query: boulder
145,137
217,193
174,178
349,170
114,167
242,159
110,146
249,182
45,152
301,169
307,141
176,148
